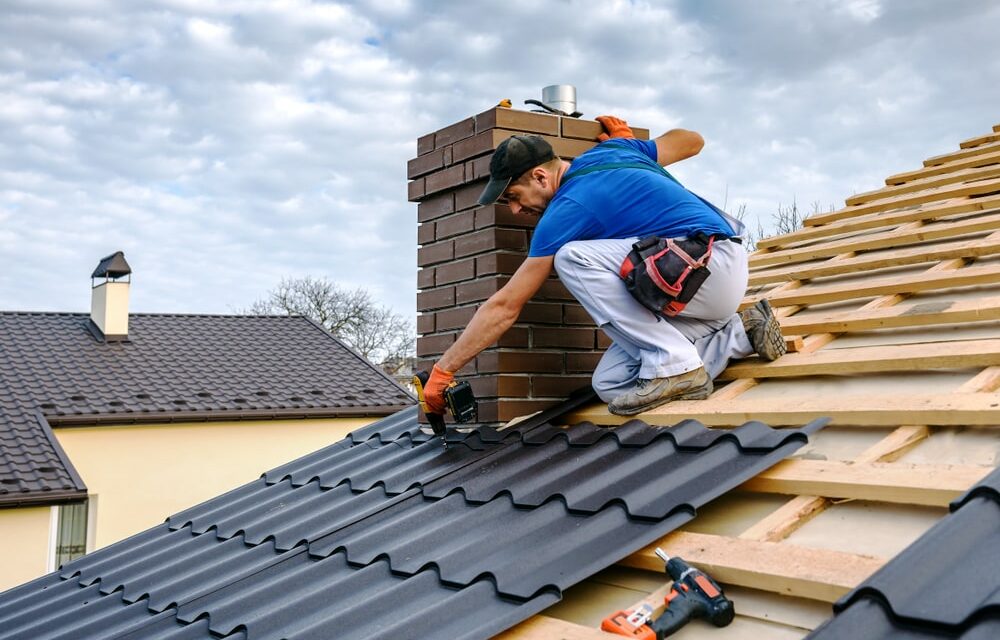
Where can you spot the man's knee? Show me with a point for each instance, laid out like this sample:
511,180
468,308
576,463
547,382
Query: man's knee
607,390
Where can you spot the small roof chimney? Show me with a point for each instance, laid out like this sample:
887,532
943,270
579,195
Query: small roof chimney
109,297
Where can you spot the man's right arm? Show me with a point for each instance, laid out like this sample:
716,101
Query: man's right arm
498,313
676,145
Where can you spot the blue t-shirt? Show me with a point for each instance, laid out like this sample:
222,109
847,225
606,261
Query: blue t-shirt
621,203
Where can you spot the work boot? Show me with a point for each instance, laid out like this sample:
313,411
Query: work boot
763,330
693,385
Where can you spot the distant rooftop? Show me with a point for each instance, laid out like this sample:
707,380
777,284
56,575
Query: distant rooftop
172,368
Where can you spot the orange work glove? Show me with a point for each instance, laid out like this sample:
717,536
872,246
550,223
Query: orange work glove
434,389
615,127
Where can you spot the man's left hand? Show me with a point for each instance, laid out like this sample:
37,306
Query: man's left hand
434,389
615,127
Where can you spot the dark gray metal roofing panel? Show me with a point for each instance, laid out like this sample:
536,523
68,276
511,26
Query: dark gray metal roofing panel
314,547
945,584
173,367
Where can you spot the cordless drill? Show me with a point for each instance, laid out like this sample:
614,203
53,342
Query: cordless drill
458,397
692,595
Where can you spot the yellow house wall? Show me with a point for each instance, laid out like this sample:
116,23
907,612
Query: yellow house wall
24,539
137,476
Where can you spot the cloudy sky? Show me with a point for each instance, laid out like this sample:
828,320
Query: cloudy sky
224,144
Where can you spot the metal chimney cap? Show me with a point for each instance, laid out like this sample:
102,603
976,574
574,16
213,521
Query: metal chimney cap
113,266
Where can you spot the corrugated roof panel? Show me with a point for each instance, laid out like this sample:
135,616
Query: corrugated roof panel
494,528
945,584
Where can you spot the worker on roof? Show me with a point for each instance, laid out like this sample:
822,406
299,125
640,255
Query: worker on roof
592,215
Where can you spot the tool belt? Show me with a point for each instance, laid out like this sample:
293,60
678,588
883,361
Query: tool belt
664,274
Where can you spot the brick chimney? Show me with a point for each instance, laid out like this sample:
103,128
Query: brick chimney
467,252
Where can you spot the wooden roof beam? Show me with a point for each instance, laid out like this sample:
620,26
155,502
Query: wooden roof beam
925,484
819,574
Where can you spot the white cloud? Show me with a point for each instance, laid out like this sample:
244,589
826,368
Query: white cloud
226,144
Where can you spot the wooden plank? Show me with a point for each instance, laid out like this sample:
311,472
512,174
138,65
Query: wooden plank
789,517
888,204
914,315
872,359
987,381
978,248
780,523
886,239
819,574
961,153
945,167
928,182
881,410
980,140
543,627
925,484
970,276
882,220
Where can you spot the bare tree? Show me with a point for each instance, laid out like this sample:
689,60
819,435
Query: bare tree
378,333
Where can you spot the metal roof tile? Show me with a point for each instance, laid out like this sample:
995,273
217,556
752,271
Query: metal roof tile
495,527
946,582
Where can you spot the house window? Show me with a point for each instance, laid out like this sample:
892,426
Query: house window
71,534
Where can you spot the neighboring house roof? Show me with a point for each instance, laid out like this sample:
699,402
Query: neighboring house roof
55,372
390,534
944,585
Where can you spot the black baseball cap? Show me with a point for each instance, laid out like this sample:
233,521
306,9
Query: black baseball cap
513,157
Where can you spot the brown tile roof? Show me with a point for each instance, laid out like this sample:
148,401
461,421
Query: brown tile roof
53,371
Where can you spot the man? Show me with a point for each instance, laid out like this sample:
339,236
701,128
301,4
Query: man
595,209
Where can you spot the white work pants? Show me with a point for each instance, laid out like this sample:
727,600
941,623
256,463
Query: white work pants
708,332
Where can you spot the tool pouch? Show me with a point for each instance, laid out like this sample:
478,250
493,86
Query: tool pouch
664,274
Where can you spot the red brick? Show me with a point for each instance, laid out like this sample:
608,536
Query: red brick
422,165
435,299
435,207
526,121
563,337
444,179
603,341
434,345
454,225
448,156
500,215
425,323
515,337
479,290
425,144
490,240
455,271
467,197
574,314
425,233
582,362
508,409
557,386
474,146
541,312
425,278
554,290
478,168
494,385
435,253
415,190
590,129
520,362
454,133
454,318
498,262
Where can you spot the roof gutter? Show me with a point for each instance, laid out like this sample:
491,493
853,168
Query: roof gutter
40,498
